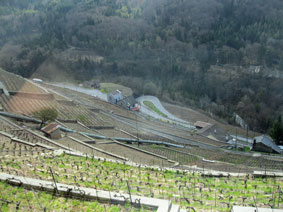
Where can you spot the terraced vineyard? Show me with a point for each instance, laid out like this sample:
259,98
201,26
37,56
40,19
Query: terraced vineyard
5,126
16,83
190,190
24,105
91,101
37,99
7,147
233,158
175,155
19,199
80,113
217,160
28,153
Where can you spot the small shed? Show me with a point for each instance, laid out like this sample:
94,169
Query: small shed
201,124
52,130
281,147
37,80
264,143
94,84
115,97
3,89
255,69
127,102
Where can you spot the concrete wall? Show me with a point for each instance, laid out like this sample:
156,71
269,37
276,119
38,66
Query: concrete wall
92,194
47,96
115,98
262,148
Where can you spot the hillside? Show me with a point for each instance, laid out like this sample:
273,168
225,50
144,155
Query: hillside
218,55
106,158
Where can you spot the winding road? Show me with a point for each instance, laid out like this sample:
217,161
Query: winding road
169,117
91,92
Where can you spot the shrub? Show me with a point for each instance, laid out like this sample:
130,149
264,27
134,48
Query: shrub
46,114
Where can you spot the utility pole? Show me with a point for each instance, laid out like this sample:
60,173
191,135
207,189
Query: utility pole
129,189
247,133
236,139
137,128
53,179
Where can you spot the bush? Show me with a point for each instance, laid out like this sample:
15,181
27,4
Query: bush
46,114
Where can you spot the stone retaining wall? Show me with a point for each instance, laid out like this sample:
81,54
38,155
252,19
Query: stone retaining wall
88,193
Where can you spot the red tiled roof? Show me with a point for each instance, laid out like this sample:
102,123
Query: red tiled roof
136,109
50,128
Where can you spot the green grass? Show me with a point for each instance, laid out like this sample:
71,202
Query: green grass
82,118
155,109
37,201
110,87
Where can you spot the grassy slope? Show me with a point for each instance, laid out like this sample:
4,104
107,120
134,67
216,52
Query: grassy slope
109,87
155,109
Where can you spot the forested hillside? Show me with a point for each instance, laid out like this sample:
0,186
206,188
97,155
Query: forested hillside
224,56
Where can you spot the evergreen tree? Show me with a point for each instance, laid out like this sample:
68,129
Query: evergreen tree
276,131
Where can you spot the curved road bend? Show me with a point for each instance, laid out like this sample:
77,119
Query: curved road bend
169,117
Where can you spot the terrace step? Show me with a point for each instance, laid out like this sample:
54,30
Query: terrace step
252,209
60,146
97,149
92,194
267,174
6,134
175,208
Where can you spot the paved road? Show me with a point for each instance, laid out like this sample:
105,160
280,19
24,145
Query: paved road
91,92
170,117
244,139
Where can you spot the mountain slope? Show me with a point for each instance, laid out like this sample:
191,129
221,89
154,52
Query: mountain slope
205,53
